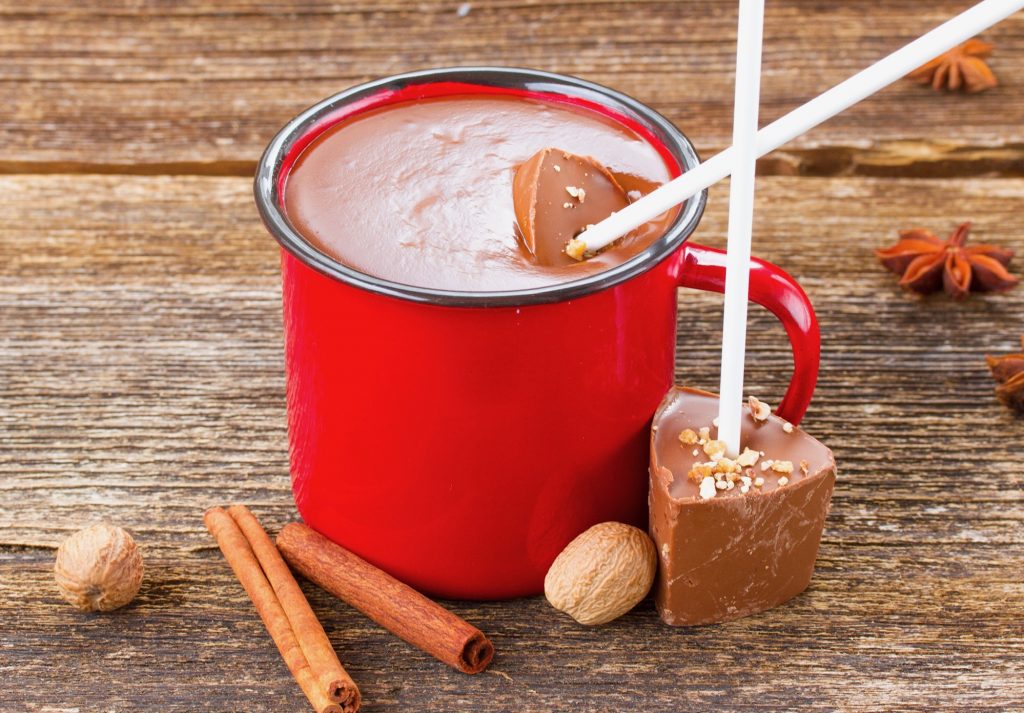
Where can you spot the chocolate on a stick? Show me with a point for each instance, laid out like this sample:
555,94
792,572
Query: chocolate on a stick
734,536
556,195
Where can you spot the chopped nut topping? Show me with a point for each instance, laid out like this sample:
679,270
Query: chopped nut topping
688,437
707,488
720,473
575,249
727,465
567,204
714,422
759,409
748,457
715,448
574,192
700,471
582,195
558,169
787,427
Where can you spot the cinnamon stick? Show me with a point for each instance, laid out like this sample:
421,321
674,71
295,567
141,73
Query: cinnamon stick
240,556
315,645
394,605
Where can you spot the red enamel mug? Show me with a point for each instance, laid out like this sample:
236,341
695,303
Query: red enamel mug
459,440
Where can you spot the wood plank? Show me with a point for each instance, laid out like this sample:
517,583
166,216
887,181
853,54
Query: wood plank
186,89
144,311
882,628
141,381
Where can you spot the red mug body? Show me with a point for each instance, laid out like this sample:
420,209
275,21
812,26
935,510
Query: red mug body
460,440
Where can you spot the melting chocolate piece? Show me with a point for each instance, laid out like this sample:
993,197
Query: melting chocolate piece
556,195
727,551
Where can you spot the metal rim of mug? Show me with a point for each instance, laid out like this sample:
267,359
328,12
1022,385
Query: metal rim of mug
272,211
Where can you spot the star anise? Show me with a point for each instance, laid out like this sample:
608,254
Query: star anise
963,66
1008,371
928,263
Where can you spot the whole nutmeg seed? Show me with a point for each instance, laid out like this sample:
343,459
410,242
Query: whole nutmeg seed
99,568
602,574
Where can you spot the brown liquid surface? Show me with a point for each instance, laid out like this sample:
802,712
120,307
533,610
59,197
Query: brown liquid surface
421,192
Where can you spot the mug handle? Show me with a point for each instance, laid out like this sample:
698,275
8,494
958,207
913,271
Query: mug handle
703,268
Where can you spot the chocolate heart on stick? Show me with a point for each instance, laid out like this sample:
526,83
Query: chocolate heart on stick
556,195
734,536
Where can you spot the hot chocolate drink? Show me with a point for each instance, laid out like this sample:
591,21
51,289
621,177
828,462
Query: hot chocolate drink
421,192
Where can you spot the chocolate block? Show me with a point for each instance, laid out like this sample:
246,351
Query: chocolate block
736,548
556,195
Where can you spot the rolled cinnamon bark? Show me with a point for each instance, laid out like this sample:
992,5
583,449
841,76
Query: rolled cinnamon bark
246,567
394,605
317,648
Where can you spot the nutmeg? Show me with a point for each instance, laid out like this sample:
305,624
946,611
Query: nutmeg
602,574
98,568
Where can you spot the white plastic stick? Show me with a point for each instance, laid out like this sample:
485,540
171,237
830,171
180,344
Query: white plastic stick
801,120
741,220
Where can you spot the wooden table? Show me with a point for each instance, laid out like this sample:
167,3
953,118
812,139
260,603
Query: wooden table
141,356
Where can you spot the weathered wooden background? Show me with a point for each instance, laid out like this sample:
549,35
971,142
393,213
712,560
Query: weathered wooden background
141,358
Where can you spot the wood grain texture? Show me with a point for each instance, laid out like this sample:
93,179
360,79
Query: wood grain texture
141,369
200,87
141,381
